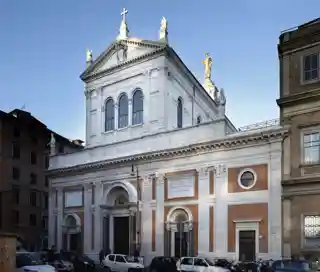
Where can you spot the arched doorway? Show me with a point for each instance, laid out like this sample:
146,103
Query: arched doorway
119,218
179,239
72,238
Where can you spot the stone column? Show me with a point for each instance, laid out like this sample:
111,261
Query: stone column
220,210
87,218
129,111
60,214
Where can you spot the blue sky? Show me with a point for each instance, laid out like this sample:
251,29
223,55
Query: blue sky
43,44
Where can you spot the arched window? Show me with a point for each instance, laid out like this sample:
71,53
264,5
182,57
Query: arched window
137,107
179,113
109,115
123,111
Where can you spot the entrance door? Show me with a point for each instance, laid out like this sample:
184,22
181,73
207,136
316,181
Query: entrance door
180,242
74,242
121,235
247,245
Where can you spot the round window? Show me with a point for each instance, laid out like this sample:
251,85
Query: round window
247,179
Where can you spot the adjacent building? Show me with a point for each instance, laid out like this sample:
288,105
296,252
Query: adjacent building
299,104
164,170
24,159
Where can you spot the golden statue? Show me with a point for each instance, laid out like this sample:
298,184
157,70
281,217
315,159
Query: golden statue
89,55
164,25
207,66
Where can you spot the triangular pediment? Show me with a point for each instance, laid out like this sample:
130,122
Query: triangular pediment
120,53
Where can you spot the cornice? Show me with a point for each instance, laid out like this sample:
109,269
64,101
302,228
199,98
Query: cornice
299,98
237,141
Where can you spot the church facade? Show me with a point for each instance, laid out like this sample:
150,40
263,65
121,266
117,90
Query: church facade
164,170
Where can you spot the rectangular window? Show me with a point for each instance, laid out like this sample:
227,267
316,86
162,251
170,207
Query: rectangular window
45,222
33,199
46,181
311,67
33,157
33,178
311,147
311,231
15,217
46,162
16,195
46,201
15,173
33,219
15,151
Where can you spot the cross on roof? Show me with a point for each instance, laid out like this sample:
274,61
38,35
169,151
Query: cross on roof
123,14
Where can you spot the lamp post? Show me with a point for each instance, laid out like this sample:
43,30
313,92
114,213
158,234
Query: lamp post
135,172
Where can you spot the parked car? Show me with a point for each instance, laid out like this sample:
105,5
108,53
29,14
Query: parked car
198,264
291,265
82,263
161,263
31,262
121,263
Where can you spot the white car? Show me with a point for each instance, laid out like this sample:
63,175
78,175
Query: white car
28,262
121,263
198,264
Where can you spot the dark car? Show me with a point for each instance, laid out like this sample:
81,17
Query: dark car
159,264
83,263
290,265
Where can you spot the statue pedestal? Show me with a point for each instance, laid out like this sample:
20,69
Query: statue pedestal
8,243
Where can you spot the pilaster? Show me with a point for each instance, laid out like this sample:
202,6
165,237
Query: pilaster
87,217
146,222
220,209
98,216
116,115
59,217
160,213
52,211
129,112
203,210
88,119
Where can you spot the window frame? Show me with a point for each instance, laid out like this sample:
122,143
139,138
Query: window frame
33,158
303,237
16,173
16,147
302,71
123,95
112,119
140,111
36,198
303,133
255,178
